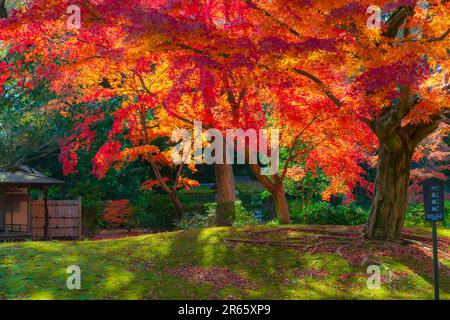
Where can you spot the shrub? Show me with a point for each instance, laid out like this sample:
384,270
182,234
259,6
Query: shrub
415,216
118,213
273,223
324,213
199,219
295,207
352,215
319,213
194,220
154,211
243,216
92,216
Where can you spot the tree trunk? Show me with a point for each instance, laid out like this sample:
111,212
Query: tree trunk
46,214
397,143
179,211
303,199
281,204
3,12
276,189
226,197
391,193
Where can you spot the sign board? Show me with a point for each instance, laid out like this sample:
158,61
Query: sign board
433,195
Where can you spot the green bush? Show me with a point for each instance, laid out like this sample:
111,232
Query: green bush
353,215
92,216
415,216
154,211
194,220
207,218
324,213
273,223
243,216
295,208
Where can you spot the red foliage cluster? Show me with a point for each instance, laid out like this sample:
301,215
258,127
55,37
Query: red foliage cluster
335,87
118,212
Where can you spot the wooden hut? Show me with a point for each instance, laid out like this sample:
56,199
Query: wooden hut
16,203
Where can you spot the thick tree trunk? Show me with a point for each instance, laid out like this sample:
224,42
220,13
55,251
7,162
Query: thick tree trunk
179,211
226,197
391,193
281,204
397,142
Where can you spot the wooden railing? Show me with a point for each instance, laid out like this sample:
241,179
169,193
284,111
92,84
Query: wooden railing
16,228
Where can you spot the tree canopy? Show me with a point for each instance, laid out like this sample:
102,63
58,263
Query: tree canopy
340,89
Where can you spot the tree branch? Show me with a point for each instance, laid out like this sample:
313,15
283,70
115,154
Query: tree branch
385,125
419,131
441,37
271,16
322,86
163,104
397,19
177,177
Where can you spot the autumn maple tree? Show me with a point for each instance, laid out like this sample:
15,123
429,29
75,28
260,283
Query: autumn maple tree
81,74
391,79
401,95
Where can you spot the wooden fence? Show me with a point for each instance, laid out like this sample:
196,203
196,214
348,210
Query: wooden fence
64,219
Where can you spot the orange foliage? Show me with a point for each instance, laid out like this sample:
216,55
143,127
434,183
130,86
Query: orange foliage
118,212
311,68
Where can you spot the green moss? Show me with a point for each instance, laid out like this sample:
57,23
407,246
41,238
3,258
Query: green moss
200,190
139,268
442,232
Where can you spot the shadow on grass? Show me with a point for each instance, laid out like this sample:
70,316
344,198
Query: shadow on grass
139,268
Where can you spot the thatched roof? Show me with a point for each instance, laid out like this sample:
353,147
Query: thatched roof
26,176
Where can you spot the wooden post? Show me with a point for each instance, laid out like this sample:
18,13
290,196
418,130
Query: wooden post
2,209
30,218
46,218
435,262
433,198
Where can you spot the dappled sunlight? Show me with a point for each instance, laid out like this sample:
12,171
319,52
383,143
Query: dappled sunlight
45,246
42,295
116,278
213,235
230,149
164,265
211,249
